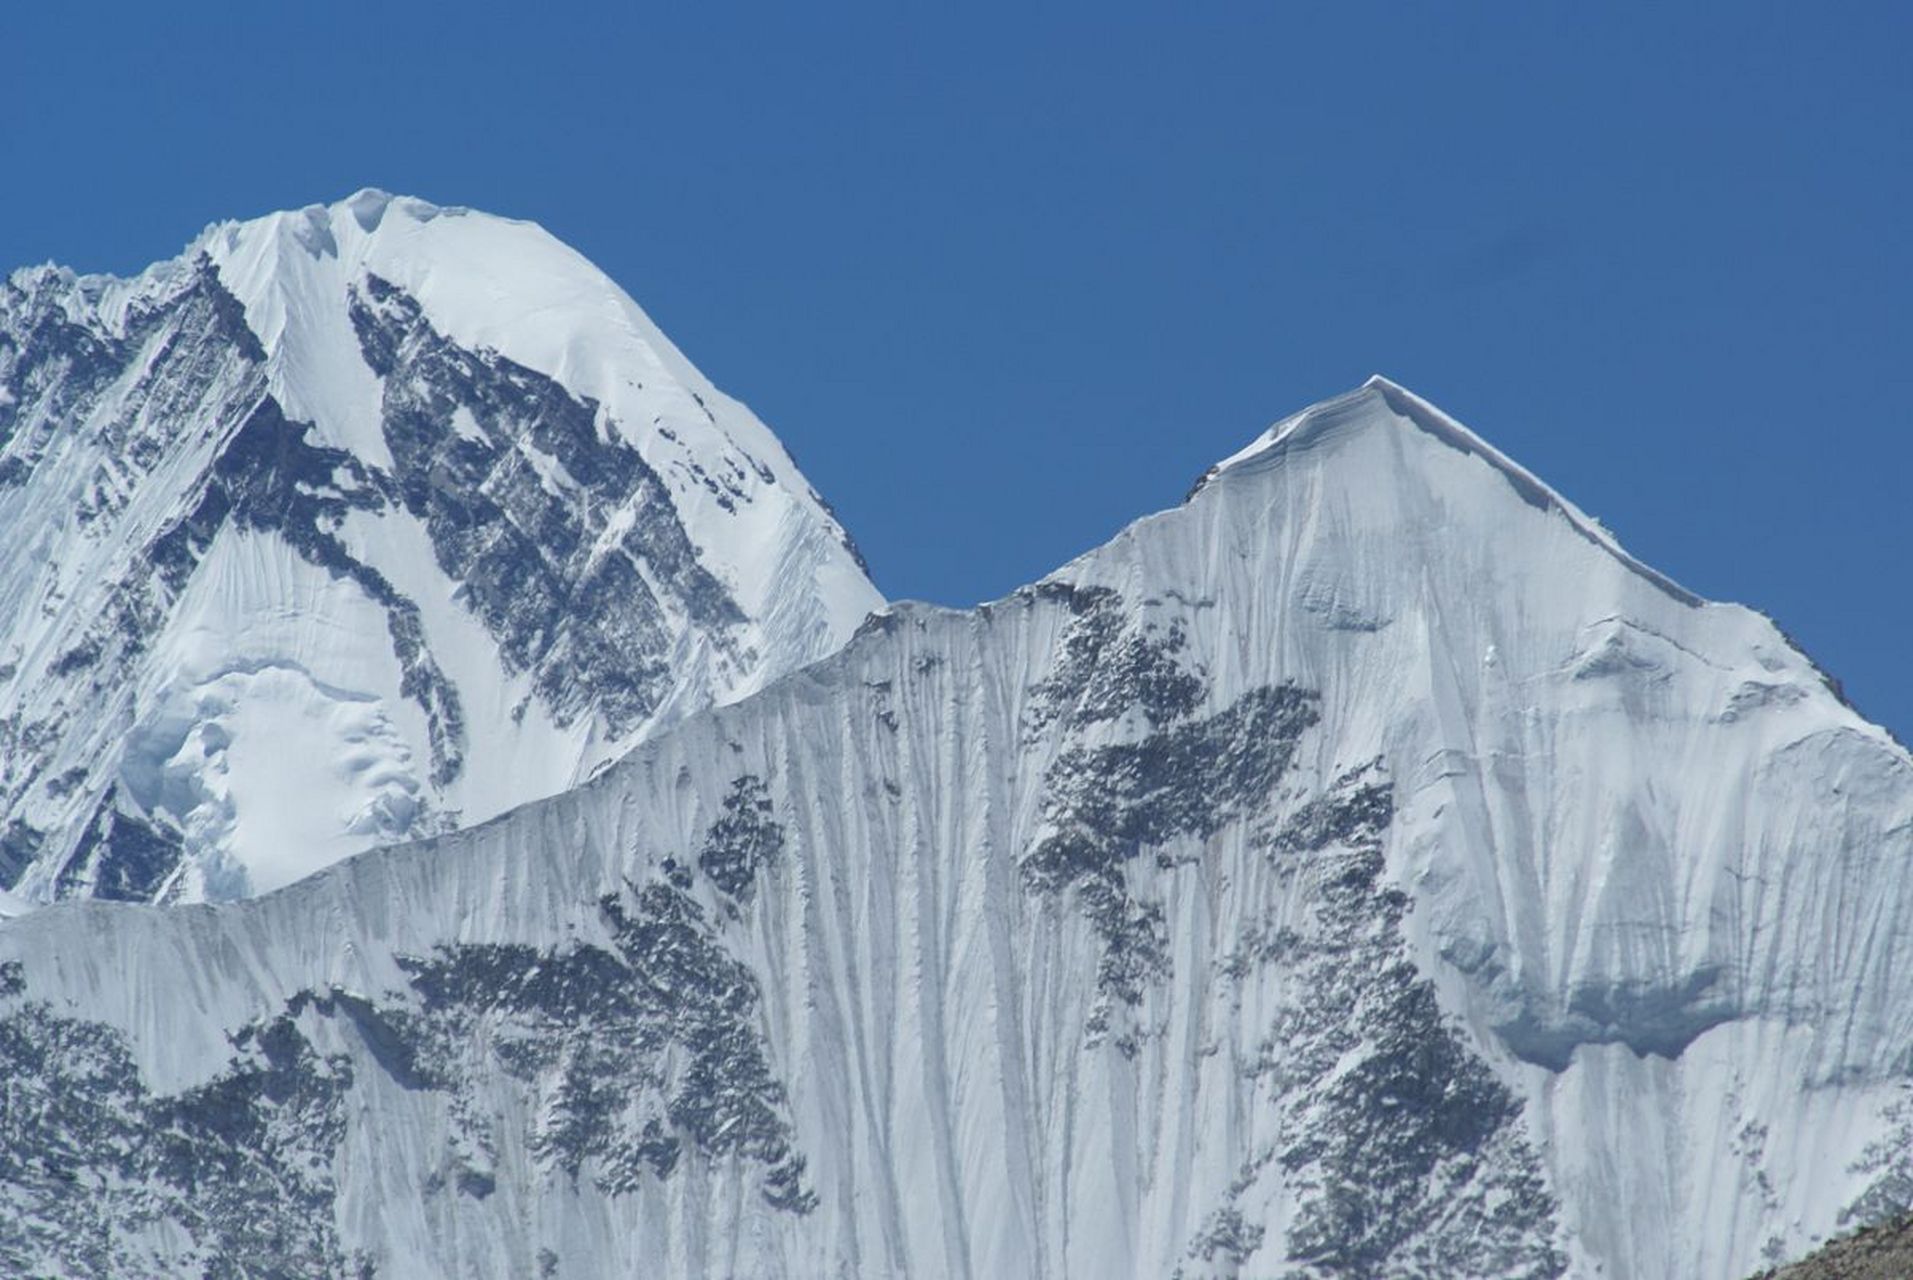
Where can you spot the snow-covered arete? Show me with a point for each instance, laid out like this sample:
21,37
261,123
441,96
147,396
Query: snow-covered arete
1362,870
360,523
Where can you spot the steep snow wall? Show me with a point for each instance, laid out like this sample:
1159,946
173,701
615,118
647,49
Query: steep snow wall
1361,870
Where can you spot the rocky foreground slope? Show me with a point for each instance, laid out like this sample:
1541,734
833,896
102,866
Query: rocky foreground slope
1883,1252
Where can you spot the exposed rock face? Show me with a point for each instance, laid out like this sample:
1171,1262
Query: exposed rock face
1883,1252
358,524
103,1177
1313,882
518,490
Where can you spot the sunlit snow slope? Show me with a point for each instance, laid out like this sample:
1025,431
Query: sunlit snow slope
361,523
1364,870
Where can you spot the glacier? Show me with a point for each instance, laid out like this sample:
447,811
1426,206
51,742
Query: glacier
1363,869
360,523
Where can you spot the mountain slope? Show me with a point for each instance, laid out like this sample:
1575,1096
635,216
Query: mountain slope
360,523
1881,1252
1362,870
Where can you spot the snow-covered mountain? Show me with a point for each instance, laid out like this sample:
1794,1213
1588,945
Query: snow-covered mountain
1366,869
361,523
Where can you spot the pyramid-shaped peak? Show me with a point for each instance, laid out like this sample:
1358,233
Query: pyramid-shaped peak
1379,401
1382,404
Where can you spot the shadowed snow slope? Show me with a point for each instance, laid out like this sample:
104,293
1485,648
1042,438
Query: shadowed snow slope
1362,870
361,523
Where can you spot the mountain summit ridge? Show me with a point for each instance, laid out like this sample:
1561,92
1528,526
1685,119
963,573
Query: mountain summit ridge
358,522
1404,405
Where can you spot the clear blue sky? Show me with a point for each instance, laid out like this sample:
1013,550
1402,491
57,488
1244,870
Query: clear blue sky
1006,279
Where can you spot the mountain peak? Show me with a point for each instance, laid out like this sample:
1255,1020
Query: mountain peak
488,282
1381,404
365,521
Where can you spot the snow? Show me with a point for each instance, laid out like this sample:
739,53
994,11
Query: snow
264,688
466,425
524,753
510,286
290,666
358,784
1657,871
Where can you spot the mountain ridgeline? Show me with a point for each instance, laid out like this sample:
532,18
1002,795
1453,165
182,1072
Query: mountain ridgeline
1365,869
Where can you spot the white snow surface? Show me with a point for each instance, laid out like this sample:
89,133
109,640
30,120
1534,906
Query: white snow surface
510,286
260,713
1660,875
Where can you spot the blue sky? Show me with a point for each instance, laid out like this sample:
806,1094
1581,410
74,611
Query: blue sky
1004,280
